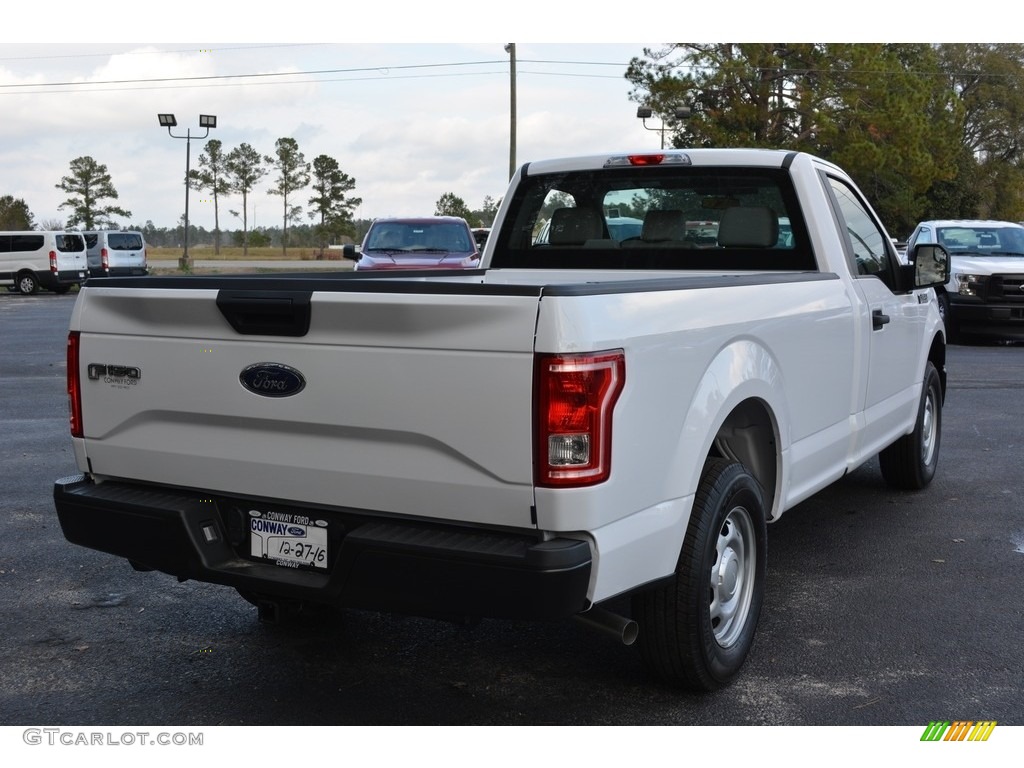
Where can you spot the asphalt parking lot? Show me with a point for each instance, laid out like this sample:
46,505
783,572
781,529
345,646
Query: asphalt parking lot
882,608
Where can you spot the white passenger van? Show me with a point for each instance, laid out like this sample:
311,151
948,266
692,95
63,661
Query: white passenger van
114,253
32,260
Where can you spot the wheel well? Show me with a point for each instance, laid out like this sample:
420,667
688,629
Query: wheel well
748,435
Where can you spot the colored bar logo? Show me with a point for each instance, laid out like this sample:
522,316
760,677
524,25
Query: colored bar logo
960,730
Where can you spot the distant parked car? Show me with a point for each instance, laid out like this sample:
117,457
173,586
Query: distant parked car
113,253
428,242
985,292
480,234
623,227
36,259
901,249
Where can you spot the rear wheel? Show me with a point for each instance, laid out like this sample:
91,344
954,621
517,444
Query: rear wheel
909,463
697,629
27,283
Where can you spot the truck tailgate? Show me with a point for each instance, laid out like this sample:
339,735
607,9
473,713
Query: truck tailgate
413,403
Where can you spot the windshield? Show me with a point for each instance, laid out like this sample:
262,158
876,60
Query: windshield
985,241
436,237
656,218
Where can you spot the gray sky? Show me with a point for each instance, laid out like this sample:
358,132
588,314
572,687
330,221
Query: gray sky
409,120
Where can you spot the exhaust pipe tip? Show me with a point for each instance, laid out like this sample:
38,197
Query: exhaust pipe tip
622,629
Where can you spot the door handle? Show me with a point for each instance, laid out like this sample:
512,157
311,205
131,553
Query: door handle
878,319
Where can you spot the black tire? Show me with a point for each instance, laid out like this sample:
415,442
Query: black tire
696,630
909,463
27,283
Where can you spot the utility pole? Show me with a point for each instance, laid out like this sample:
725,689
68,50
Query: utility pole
510,49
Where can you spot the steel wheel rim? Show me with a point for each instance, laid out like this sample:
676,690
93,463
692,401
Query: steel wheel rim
928,428
733,575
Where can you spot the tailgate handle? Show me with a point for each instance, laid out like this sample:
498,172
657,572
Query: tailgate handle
266,313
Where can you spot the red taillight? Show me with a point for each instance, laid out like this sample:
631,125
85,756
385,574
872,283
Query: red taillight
575,398
74,386
53,262
104,260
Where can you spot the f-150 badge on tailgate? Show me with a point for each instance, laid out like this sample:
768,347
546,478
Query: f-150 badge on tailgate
272,380
117,376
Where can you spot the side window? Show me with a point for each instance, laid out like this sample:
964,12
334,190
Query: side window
866,239
921,235
913,239
26,242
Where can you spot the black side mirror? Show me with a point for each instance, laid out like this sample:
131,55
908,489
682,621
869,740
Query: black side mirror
931,265
349,252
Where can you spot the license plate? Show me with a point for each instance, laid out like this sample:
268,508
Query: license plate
293,541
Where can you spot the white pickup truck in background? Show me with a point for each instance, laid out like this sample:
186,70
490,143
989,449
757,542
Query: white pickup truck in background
581,419
984,296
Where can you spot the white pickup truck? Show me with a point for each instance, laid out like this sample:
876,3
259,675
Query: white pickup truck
579,420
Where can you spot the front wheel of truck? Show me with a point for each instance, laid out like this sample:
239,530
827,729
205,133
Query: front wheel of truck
909,463
697,629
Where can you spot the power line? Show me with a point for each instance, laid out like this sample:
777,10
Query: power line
288,78
260,84
199,78
108,54
384,70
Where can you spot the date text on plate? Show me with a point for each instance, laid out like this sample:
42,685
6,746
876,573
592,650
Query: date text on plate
288,540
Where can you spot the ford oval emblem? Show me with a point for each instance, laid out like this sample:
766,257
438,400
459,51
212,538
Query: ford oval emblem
272,380
294,530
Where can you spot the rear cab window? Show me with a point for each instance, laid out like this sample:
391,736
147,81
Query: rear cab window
678,218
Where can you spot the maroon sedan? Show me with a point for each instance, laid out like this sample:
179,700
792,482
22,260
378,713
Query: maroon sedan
430,242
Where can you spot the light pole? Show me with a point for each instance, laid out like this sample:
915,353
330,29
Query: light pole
205,121
510,49
679,113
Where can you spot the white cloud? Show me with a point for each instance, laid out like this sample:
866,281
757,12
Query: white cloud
408,122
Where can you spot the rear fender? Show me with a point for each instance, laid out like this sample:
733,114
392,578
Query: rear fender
738,411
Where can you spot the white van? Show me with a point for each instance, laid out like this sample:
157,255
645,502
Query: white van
113,253
42,259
